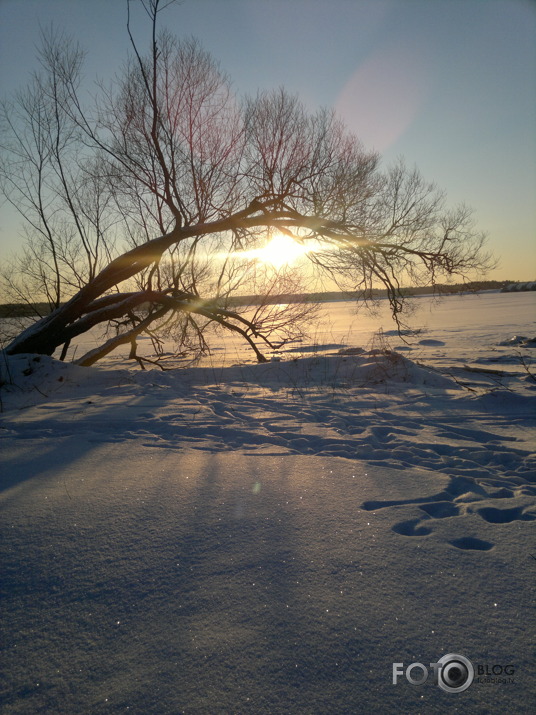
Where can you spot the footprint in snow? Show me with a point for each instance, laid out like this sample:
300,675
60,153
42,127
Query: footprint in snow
471,543
430,342
505,516
411,528
449,503
440,509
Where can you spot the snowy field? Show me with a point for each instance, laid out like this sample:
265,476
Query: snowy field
242,538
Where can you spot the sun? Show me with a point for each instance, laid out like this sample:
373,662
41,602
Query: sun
280,251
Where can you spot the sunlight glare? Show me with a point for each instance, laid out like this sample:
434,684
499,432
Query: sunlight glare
280,251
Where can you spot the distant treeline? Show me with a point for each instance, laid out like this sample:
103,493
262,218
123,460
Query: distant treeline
333,296
24,310
19,310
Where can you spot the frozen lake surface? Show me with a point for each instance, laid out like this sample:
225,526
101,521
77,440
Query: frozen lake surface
245,538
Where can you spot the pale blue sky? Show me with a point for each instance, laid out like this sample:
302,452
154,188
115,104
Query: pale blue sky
448,84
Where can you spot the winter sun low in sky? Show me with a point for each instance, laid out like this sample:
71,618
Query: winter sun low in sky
280,250
450,85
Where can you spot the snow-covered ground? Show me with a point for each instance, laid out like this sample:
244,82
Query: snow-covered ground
242,538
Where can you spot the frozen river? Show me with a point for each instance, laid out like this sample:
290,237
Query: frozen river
457,329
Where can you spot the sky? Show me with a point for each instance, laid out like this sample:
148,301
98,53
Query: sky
450,85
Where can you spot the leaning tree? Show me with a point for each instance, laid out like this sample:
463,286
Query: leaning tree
142,204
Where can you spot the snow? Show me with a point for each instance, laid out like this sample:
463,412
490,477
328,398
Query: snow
243,538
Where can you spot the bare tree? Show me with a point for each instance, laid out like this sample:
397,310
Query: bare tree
170,165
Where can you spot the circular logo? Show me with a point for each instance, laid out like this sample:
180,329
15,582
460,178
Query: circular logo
456,673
